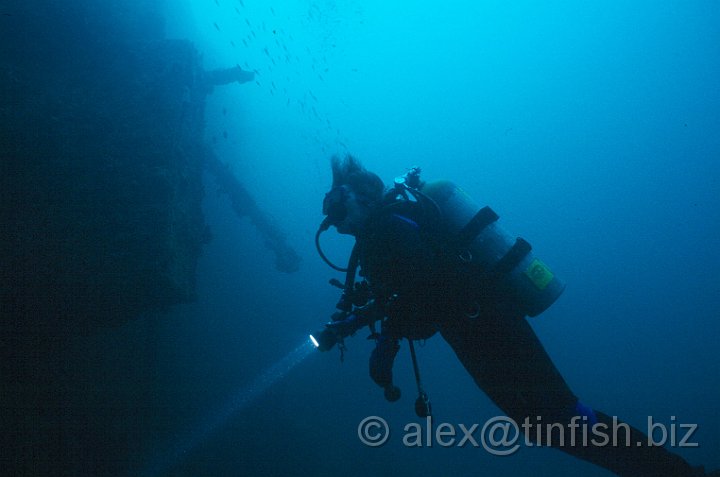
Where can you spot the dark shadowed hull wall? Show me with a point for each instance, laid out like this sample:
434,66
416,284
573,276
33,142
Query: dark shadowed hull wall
101,154
101,166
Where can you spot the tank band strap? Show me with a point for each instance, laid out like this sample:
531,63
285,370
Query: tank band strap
513,257
472,229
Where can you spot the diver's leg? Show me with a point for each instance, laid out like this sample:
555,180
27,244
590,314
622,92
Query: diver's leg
626,458
507,361
381,366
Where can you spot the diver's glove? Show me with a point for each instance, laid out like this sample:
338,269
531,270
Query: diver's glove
337,330
345,324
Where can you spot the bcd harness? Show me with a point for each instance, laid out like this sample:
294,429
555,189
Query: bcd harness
486,255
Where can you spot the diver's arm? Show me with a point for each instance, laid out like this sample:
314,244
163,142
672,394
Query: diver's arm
348,323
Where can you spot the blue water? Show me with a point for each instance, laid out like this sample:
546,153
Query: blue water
590,127
164,460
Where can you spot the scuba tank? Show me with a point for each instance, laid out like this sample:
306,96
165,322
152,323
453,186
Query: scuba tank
479,241
465,233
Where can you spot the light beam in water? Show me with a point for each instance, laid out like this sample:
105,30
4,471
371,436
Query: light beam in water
173,456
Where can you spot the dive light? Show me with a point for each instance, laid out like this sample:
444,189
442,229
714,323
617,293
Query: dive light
314,341
324,340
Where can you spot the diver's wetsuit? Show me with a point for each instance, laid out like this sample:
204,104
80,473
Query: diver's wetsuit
497,346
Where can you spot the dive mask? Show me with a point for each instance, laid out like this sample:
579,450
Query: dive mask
334,204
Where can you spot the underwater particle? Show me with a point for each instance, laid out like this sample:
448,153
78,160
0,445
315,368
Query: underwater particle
217,2
245,42
216,26
248,22
242,4
238,11
252,32
225,134
232,43
267,53
214,140
224,111
272,10
257,82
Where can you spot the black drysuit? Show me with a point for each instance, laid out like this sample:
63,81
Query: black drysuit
424,292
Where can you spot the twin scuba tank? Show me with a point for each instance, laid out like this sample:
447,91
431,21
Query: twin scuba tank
485,245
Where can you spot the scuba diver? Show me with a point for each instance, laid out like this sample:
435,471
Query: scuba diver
430,260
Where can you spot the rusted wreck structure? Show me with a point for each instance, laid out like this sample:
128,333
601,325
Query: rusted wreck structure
102,155
102,159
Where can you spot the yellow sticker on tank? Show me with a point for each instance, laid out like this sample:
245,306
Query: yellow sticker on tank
539,274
